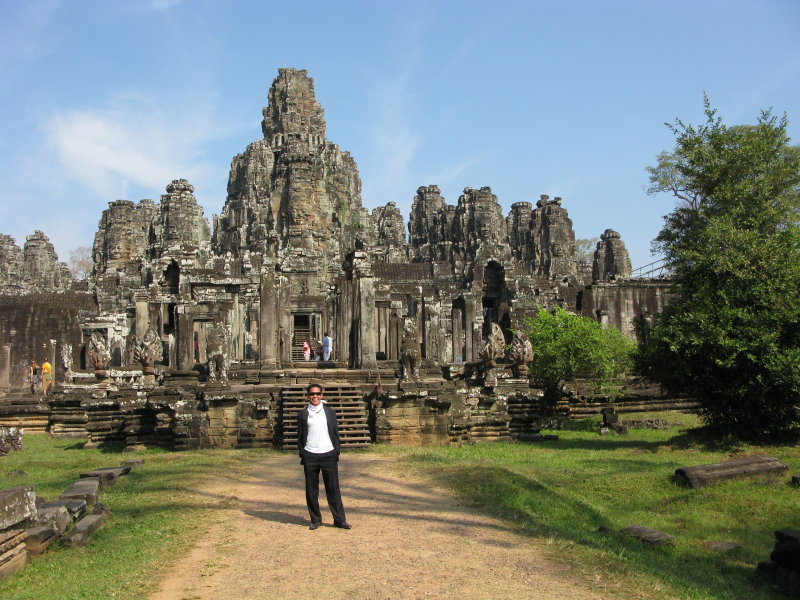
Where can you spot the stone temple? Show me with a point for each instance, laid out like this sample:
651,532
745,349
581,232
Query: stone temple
294,255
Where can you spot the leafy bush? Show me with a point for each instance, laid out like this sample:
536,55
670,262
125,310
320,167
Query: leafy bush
566,346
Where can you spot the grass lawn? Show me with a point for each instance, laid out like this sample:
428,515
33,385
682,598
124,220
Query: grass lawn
560,492
159,511
565,490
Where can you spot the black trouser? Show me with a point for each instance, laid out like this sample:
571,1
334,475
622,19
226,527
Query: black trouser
328,464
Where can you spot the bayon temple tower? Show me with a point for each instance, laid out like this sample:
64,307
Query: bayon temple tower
294,255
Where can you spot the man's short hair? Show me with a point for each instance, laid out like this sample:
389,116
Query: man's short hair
314,385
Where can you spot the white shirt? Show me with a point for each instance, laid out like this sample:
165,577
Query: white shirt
318,440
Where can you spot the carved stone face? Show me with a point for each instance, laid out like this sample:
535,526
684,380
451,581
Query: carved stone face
484,218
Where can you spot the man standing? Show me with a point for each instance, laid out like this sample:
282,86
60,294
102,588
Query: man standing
319,447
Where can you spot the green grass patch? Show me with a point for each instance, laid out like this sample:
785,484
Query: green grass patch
565,490
159,511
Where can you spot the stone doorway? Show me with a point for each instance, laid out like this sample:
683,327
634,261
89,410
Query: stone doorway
305,325
495,300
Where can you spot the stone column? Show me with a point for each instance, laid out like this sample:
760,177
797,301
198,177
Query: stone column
267,326
470,331
366,334
395,335
458,340
185,339
5,368
142,314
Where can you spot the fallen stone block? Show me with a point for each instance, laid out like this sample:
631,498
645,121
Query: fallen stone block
133,463
84,489
107,476
649,536
38,539
57,518
747,466
11,538
82,533
16,505
13,560
75,506
723,547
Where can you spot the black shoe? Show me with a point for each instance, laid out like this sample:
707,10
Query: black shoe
343,525
314,526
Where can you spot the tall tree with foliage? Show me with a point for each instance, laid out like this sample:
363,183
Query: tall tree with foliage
566,346
730,337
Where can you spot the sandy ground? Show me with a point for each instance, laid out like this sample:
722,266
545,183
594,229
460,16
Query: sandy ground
408,541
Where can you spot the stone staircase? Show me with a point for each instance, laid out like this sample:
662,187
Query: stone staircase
345,399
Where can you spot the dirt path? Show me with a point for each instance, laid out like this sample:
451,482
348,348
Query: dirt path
407,541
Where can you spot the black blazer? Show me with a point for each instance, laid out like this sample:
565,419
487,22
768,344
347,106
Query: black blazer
333,429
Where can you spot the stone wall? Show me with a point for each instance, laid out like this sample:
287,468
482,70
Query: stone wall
620,302
39,325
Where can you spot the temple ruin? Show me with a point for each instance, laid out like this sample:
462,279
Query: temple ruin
189,333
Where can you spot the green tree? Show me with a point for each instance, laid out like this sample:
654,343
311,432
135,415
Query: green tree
730,337
566,346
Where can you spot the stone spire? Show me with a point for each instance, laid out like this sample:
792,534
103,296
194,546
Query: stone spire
293,110
611,259
180,227
10,265
390,233
430,226
293,192
121,238
479,220
554,240
41,270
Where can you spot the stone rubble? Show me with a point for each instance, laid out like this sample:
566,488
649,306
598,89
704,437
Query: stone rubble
27,530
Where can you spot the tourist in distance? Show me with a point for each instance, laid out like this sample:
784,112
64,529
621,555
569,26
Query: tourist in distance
327,346
307,350
318,351
33,377
319,447
47,376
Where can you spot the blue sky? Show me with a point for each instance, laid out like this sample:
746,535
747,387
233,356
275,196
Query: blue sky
102,100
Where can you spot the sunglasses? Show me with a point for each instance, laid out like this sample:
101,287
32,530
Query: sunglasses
315,393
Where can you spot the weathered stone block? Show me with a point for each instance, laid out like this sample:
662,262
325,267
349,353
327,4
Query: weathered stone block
82,533
13,560
39,538
16,505
649,536
54,517
87,489
11,538
75,506
723,547
747,466
107,475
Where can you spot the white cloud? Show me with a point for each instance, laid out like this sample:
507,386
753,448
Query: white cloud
130,143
